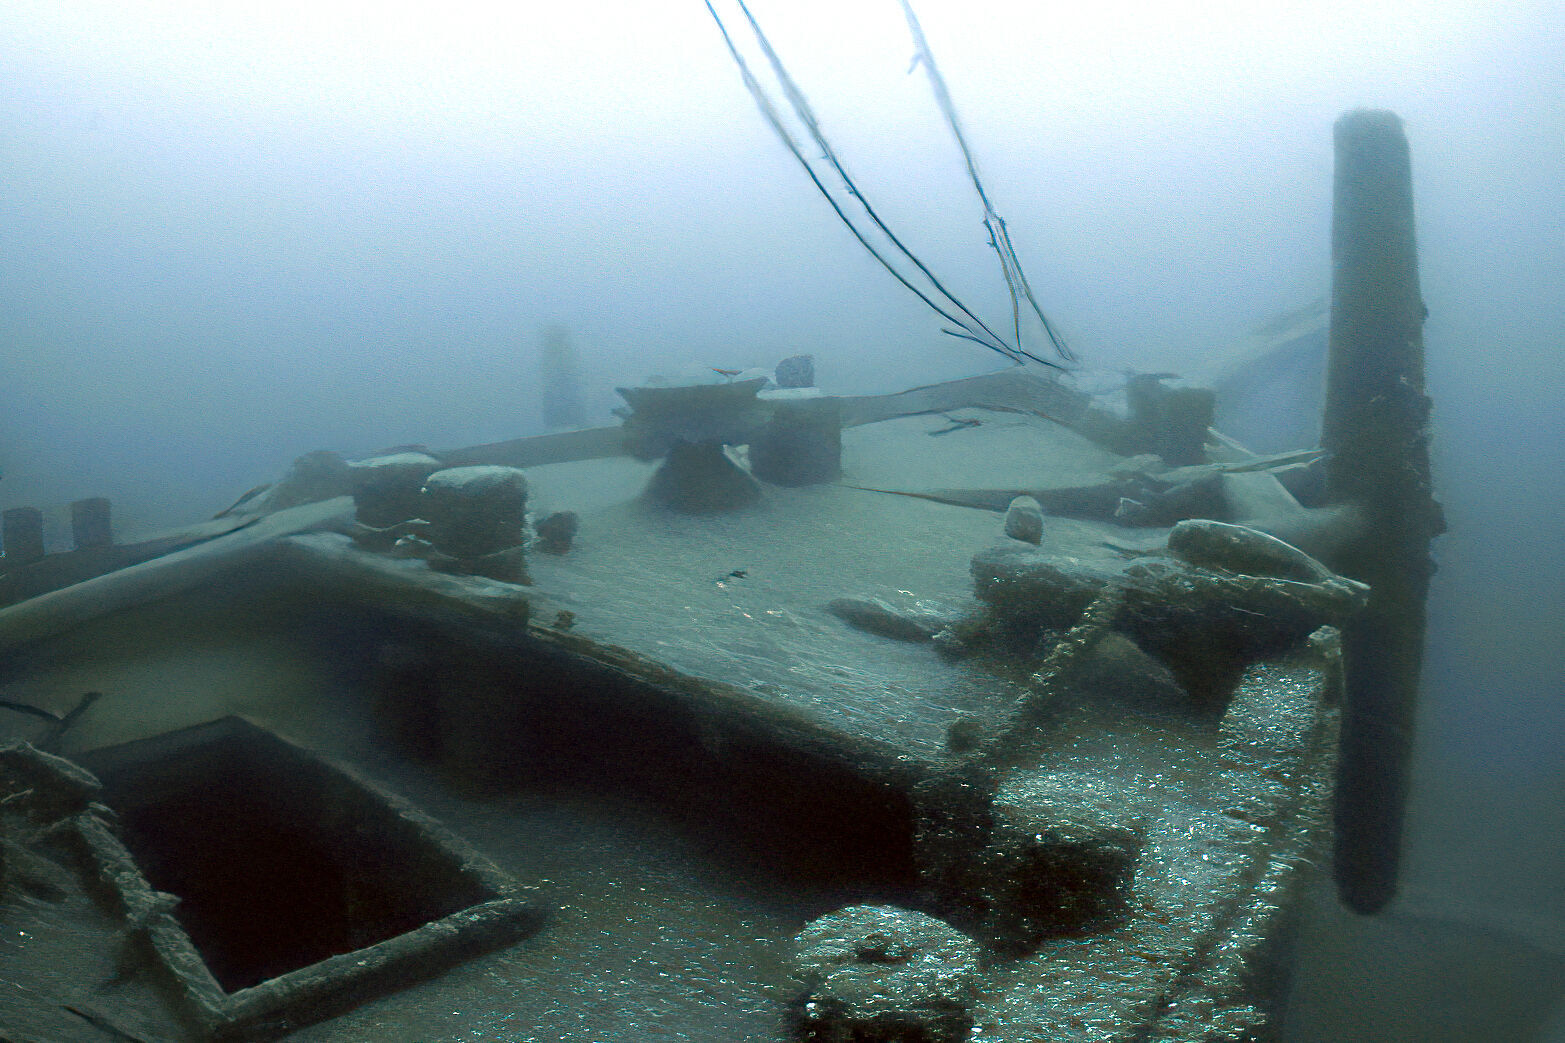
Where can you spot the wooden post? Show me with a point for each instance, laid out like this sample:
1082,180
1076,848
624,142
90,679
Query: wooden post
90,525
21,535
1376,429
563,402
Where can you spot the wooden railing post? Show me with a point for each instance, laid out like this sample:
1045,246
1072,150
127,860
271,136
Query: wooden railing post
21,535
90,524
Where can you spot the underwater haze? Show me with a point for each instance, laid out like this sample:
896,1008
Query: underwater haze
231,234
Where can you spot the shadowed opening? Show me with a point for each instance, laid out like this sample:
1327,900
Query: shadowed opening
278,860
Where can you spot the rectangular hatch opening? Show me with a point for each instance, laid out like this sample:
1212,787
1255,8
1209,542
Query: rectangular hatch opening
282,862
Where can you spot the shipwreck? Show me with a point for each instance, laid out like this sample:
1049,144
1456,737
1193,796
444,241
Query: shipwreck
977,711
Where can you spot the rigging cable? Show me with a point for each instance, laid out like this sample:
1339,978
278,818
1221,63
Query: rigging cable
999,236
970,326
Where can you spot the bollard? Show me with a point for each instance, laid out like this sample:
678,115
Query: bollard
1376,428
801,444
1171,422
90,525
21,535
795,371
